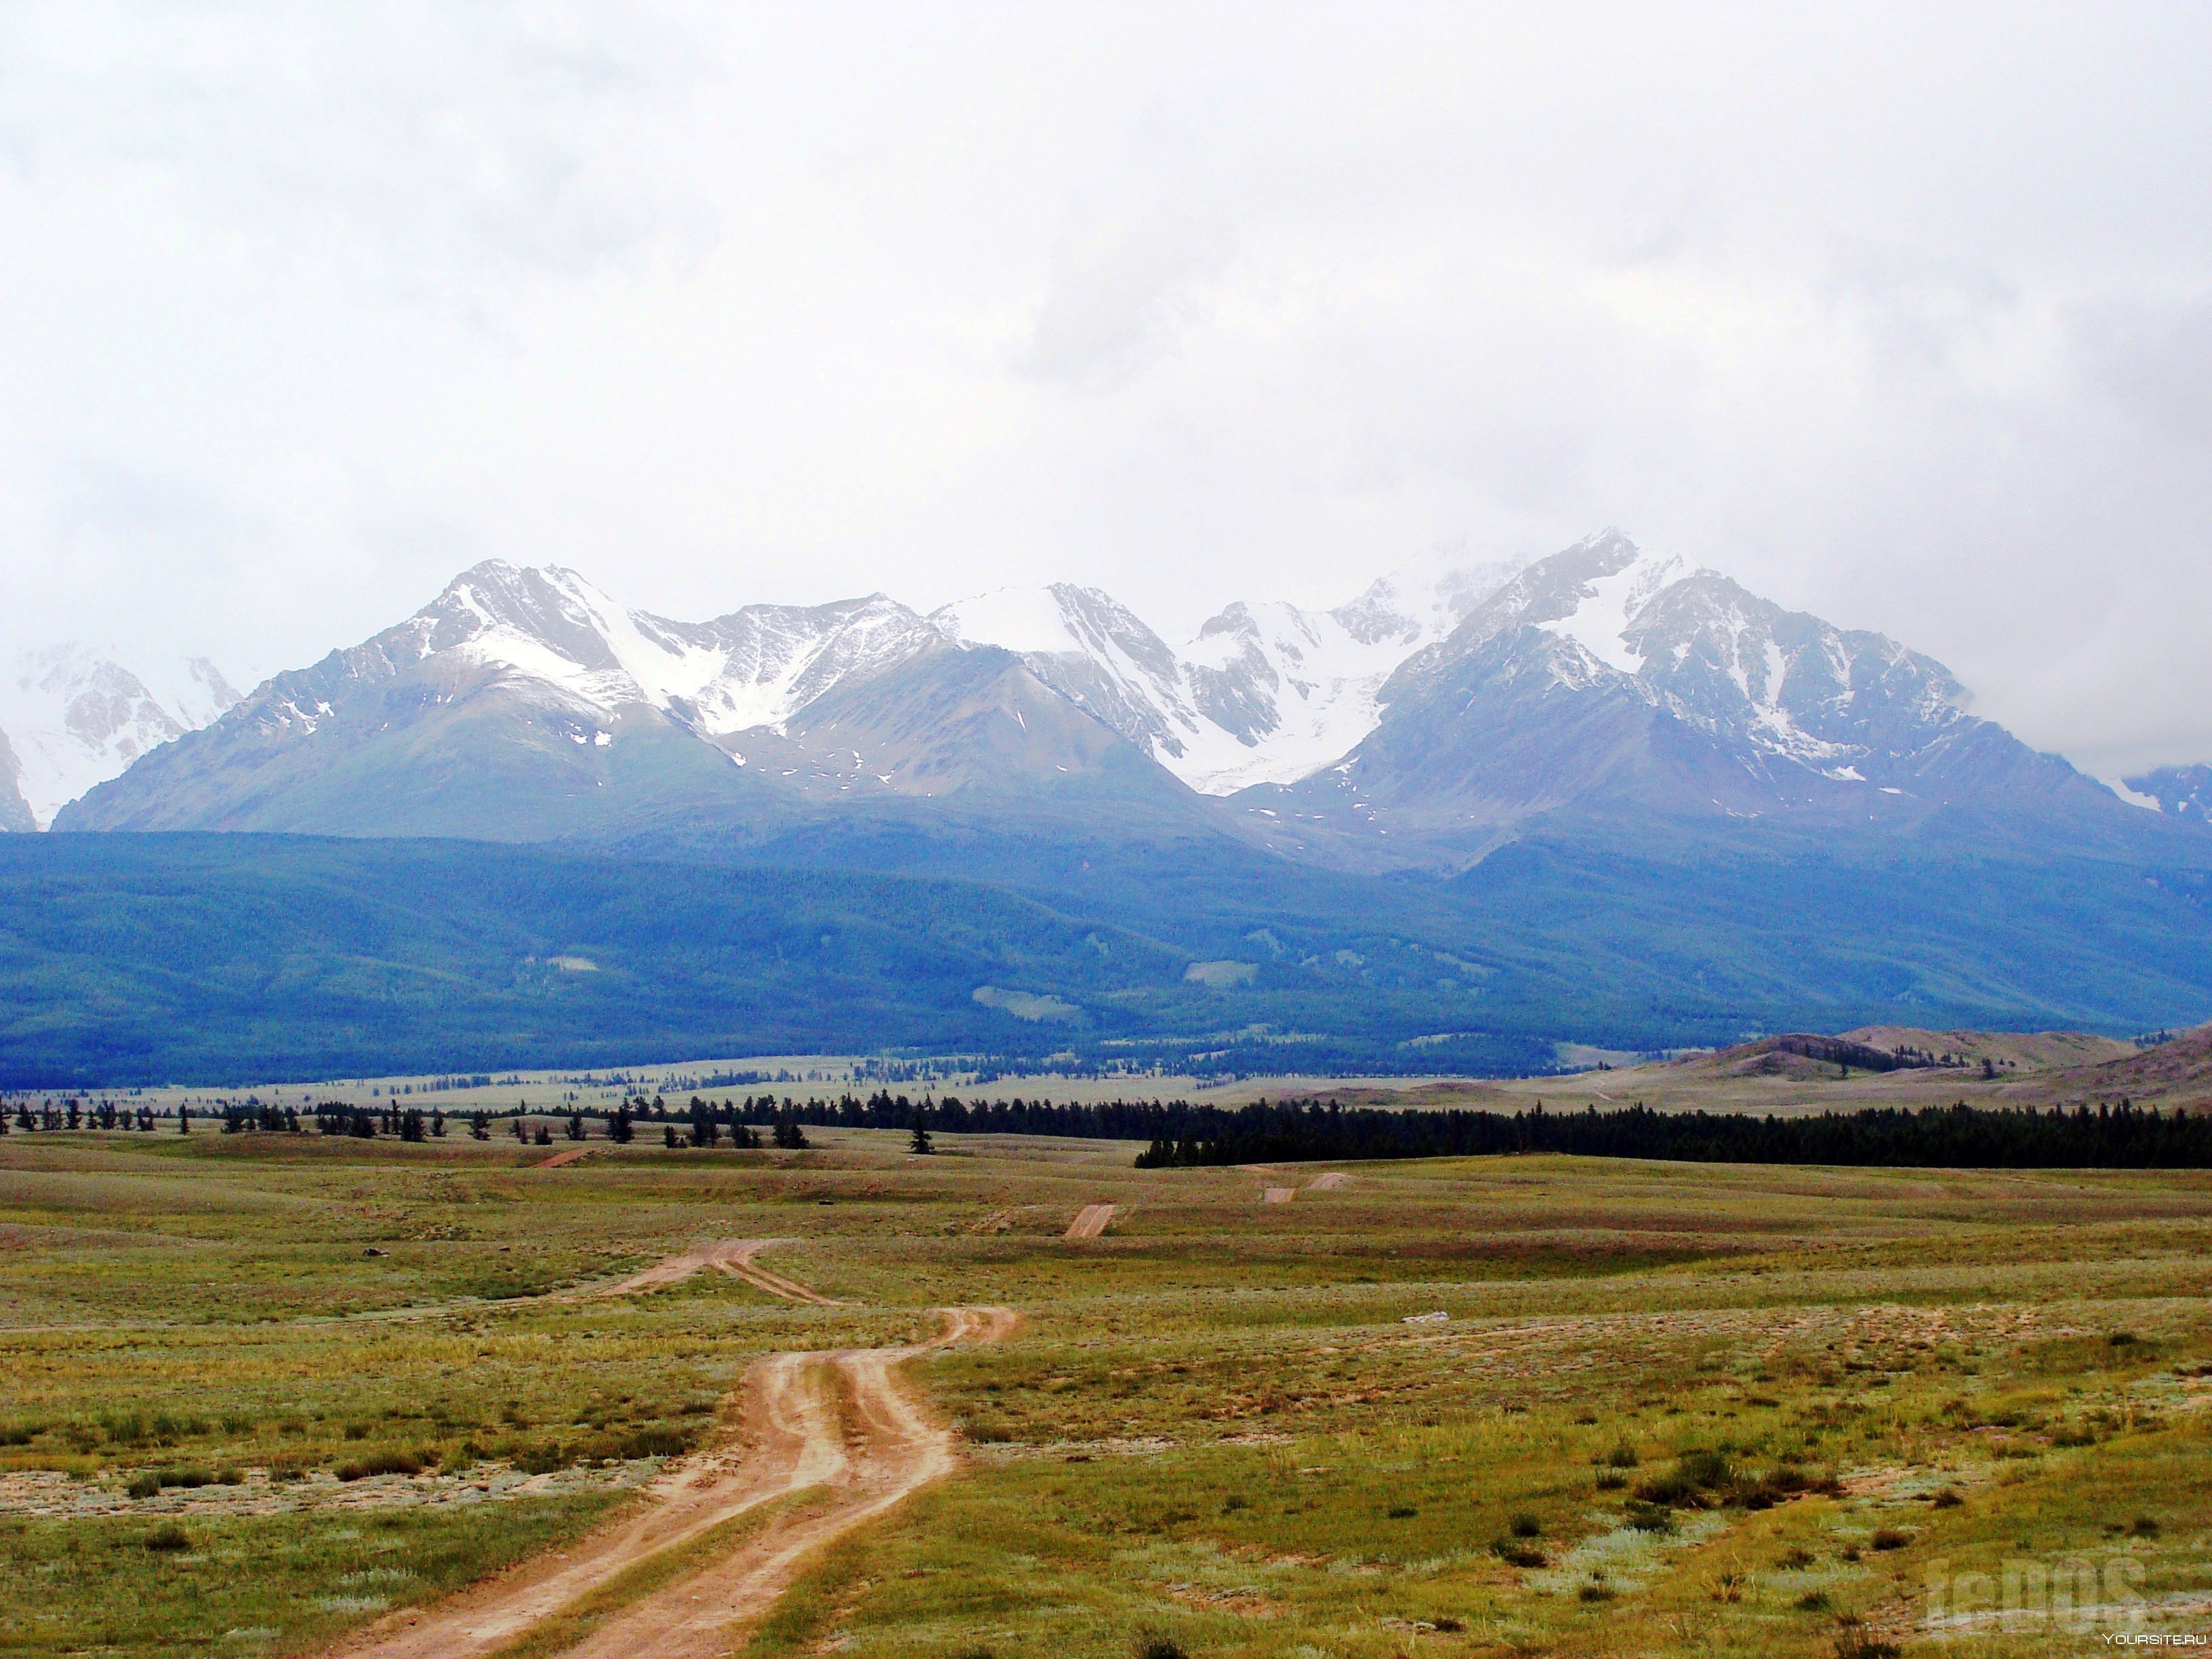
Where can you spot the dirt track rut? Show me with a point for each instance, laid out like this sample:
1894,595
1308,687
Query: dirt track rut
1090,1221
841,1424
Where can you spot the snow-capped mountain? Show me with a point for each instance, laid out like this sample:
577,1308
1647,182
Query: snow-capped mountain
1266,693
1606,675
555,633
524,702
71,717
1448,703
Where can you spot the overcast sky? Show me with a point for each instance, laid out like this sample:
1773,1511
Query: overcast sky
1902,316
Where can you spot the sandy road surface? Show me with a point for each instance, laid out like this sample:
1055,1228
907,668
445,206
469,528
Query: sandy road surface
734,1256
1090,1221
841,1424
559,1158
1279,1195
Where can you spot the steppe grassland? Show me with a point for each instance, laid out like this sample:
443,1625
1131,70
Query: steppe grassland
1215,1428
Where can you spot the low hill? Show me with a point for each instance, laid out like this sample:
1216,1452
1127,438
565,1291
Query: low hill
2016,1051
2172,1074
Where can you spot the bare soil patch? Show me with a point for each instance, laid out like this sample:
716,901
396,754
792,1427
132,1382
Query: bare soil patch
1090,1221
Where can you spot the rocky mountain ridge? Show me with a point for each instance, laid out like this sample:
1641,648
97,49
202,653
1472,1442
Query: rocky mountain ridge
1446,707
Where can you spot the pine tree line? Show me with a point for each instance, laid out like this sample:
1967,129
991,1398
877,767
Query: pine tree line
1961,1136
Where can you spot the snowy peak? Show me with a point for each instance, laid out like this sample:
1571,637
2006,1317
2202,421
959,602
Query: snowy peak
552,630
1781,683
1091,649
1266,694
73,717
1424,598
772,661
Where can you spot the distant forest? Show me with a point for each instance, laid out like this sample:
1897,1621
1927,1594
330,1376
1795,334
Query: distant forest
1181,1135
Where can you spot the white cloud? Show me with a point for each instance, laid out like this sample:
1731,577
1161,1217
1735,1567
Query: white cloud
1899,315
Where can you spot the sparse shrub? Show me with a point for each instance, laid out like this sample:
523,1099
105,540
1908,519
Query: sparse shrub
1852,1642
1525,1525
1889,1538
1727,1586
388,1462
356,1430
1695,1475
144,1485
1812,1601
543,1458
2143,1527
1947,1500
1449,1626
168,1536
1648,1518
1595,1591
1401,1512
1150,1644
1622,1456
1795,1558
655,1442
1611,1480
1517,1552
1234,1502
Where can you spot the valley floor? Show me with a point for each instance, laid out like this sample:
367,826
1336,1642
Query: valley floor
278,1394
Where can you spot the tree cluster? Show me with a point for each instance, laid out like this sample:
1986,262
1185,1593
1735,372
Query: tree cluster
2122,1136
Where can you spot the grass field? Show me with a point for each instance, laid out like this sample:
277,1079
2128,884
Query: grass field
257,1390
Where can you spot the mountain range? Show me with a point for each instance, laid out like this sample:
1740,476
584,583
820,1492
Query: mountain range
1446,707
1604,797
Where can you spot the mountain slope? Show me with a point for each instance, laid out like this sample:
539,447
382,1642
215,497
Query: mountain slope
237,958
15,810
2184,793
132,957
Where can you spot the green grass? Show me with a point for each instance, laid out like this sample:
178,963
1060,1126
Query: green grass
1215,1428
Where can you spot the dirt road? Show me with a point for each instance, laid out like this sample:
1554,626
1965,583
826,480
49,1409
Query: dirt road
1279,1195
891,1447
1090,1221
734,1256
1328,1183
841,1425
